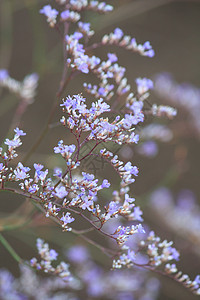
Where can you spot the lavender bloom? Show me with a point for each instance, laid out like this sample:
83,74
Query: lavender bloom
112,57
19,132
144,85
131,169
182,95
20,172
105,184
3,74
118,33
65,150
39,174
66,219
50,13
57,172
85,29
60,192
112,210
16,142
70,16
137,214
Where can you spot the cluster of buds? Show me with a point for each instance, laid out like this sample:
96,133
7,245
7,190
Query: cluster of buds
193,285
122,233
163,111
125,172
69,16
26,89
100,7
126,259
118,38
159,252
184,96
45,264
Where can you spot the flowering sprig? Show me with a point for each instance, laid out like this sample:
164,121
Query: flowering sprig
71,194
26,89
160,255
118,38
48,256
184,96
71,14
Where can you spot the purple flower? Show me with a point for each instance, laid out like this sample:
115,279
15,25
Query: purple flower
3,74
131,255
40,175
38,167
140,228
60,192
64,149
137,214
53,254
49,12
65,14
197,279
105,184
33,189
128,199
112,57
81,65
131,169
87,176
84,26
1,167
112,209
19,132
21,172
144,85
16,142
66,219
86,203
101,91
174,253
57,172
134,138
118,33
77,36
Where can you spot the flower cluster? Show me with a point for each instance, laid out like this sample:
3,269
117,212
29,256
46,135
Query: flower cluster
72,193
162,111
161,254
81,119
118,38
25,90
126,172
72,13
89,277
182,217
184,96
47,257
12,145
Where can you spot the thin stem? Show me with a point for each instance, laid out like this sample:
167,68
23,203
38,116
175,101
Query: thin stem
63,83
10,249
91,222
91,150
105,250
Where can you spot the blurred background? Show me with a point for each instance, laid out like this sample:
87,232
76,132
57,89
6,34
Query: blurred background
167,188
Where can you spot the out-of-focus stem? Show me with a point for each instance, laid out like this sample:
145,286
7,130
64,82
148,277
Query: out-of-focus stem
63,83
10,249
